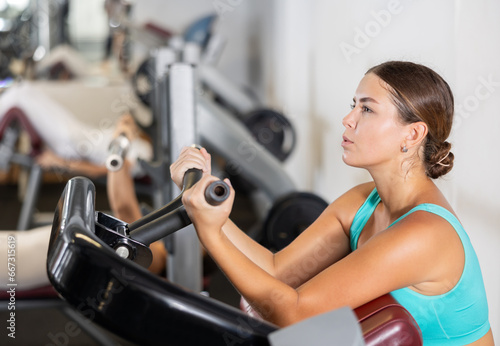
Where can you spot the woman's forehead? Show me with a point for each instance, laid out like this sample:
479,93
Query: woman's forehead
372,87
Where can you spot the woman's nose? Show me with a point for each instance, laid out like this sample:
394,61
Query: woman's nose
349,120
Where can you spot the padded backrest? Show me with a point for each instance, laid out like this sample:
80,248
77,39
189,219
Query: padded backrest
16,114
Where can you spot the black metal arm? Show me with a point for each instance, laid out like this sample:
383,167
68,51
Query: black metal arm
190,178
131,241
173,216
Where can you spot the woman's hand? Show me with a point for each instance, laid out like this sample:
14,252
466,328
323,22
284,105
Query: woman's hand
190,158
207,219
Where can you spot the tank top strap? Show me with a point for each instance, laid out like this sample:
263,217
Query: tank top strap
361,218
437,210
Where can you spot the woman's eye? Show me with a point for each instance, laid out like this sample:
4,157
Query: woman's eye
352,105
366,109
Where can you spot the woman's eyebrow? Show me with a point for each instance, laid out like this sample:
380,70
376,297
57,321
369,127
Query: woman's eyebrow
366,99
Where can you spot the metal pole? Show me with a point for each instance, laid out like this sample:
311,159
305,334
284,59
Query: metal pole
185,262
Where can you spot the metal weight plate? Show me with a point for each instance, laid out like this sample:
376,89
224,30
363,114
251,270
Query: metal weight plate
289,217
143,81
272,130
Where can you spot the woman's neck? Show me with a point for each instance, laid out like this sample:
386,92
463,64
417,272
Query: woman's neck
400,193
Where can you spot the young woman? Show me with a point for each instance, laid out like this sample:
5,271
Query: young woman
395,234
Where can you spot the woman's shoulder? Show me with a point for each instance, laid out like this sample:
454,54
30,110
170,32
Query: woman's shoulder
346,206
355,197
358,193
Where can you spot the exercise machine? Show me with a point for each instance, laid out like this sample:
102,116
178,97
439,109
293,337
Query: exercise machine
269,127
97,266
253,145
182,116
12,125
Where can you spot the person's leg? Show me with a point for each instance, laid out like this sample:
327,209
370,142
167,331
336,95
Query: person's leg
29,250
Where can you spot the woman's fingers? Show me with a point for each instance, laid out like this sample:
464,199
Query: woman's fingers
189,158
208,159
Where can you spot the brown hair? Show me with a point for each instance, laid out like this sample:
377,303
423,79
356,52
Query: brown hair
420,94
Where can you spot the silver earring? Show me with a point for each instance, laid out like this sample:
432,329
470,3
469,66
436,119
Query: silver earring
404,150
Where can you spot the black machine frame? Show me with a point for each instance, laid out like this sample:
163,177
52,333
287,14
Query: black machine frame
123,296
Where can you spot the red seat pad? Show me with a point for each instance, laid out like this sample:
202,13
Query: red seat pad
384,321
16,114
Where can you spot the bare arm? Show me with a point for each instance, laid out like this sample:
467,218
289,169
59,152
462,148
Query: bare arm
121,194
50,161
326,241
403,255
321,244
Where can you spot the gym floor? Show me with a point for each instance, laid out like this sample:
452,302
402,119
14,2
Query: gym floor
50,321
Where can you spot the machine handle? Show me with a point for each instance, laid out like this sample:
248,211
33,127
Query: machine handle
159,224
191,177
217,192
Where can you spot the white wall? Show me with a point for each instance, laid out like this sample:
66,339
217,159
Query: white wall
236,23
477,93
306,57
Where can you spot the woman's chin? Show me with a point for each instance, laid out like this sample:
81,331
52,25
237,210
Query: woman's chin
345,158
349,161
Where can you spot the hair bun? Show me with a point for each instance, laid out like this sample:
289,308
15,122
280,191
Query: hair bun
441,162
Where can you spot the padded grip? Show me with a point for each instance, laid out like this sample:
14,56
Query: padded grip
217,192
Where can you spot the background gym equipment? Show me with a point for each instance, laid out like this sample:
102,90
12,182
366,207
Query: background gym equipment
116,292
273,131
269,127
182,116
290,216
118,149
12,124
15,36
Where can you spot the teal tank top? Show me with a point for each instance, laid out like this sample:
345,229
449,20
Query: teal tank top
457,317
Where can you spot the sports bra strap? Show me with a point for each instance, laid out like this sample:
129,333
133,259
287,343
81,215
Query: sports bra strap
361,218
437,210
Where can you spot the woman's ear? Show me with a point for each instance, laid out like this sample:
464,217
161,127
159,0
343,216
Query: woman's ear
416,134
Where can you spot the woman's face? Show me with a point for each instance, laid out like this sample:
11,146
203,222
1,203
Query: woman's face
373,134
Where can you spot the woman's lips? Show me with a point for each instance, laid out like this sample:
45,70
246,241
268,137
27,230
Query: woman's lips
346,141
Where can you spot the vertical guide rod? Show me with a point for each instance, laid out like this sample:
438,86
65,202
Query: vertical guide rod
185,262
164,57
